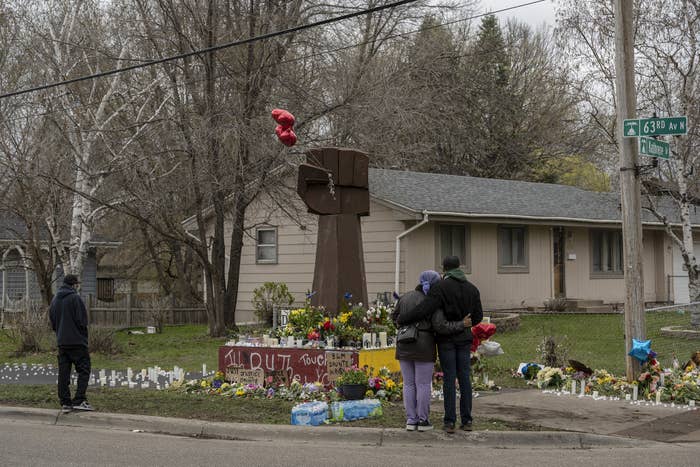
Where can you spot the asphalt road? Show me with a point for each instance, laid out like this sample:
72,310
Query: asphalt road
31,444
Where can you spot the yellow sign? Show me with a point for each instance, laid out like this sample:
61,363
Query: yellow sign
378,358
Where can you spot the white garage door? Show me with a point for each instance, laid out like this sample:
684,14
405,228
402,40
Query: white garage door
680,276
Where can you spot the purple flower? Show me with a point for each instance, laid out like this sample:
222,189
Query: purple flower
270,392
347,295
310,294
216,384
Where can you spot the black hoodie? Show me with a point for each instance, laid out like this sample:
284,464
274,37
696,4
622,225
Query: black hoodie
69,318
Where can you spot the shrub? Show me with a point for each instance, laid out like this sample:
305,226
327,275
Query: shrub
555,304
553,351
268,296
158,311
103,340
31,331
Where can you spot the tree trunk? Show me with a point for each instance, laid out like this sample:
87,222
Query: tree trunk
234,265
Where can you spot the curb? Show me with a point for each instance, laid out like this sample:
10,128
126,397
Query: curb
314,435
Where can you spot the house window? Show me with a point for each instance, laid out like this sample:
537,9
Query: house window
105,290
512,249
454,241
606,253
266,246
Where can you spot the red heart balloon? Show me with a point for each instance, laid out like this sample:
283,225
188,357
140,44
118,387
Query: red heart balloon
283,117
287,137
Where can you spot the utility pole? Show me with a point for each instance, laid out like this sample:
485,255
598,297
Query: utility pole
629,182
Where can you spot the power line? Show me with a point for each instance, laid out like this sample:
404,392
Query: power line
209,49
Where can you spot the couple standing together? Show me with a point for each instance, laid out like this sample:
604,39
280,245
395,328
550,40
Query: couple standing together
443,310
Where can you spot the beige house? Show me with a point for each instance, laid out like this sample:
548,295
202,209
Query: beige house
521,243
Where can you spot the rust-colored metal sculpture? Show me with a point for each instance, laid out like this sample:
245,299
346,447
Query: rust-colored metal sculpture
333,184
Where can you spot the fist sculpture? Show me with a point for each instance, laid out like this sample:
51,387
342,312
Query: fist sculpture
333,184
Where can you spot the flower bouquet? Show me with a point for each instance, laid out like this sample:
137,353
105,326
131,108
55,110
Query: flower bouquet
550,378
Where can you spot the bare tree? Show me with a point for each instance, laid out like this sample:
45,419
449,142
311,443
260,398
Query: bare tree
667,60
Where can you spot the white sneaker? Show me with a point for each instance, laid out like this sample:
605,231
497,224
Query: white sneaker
83,406
411,426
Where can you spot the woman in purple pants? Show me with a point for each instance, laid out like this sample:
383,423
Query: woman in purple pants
417,359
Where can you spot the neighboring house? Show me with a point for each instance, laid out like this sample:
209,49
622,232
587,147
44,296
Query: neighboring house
521,243
18,282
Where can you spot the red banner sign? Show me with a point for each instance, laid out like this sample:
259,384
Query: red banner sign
303,365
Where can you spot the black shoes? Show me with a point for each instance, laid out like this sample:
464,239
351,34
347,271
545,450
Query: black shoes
66,408
425,425
411,426
466,427
449,428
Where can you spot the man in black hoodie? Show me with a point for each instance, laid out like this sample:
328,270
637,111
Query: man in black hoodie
461,303
69,320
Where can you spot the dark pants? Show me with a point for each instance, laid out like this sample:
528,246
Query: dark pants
454,360
68,357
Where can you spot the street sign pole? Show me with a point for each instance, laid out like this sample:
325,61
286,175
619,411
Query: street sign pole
629,182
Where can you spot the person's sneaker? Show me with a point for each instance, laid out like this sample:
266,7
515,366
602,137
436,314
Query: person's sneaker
425,425
411,426
466,427
66,408
449,428
83,406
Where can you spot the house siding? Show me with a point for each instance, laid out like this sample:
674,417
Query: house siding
580,284
296,253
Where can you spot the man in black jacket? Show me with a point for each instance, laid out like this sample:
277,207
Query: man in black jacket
69,320
460,301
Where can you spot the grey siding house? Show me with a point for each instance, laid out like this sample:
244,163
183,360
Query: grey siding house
18,282
521,243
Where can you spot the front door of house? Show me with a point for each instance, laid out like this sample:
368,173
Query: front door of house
558,261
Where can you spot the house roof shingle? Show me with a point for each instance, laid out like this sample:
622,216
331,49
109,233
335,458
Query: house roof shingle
460,195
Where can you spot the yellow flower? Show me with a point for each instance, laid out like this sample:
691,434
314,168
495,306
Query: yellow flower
390,384
240,392
225,386
345,317
204,383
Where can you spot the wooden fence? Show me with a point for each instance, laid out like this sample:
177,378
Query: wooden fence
126,313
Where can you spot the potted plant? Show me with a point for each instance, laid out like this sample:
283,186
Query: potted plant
352,383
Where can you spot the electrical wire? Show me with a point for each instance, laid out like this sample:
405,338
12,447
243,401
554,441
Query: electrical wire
291,60
209,49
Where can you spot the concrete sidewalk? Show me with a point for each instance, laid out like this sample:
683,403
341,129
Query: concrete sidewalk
313,435
552,411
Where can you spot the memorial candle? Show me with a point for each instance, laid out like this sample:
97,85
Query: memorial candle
635,392
573,387
382,339
658,396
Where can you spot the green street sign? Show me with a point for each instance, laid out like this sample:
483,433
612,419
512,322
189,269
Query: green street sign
663,126
654,148
631,128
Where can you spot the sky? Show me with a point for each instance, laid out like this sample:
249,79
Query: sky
534,15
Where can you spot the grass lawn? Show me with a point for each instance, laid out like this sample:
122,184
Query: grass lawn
596,340
185,346
172,403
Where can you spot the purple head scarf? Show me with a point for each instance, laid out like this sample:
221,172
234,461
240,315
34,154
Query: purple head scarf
428,278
